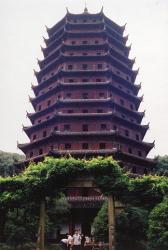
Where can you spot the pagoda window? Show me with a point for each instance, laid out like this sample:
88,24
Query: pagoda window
84,53
85,146
100,111
96,41
126,132
84,20
39,121
127,77
73,42
67,146
103,126
48,117
114,127
84,66
44,133
85,95
70,111
85,42
31,154
98,80
131,106
56,128
98,53
49,103
39,108
130,150
70,67
71,80
94,20
67,127
118,72
40,151
34,137
132,120
134,170
52,73
123,116
137,137
122,102
102,146
145,171
84,111
101,95
120,87
140,153
85,127
128,91
84,80
71,54
68,95
51,147
99,66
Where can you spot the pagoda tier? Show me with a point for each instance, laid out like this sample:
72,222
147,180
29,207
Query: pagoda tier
86,101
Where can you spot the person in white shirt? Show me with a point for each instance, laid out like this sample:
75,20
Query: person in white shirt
76,240
64,244
70,242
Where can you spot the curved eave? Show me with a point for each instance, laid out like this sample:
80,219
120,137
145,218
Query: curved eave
60,86
147,162
26,146
147,146
85,116
120,29
54,28
124,82
70,102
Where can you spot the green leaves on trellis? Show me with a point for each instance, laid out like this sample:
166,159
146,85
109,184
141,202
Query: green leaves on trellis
49,177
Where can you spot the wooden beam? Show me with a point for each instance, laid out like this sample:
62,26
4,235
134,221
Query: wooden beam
111,222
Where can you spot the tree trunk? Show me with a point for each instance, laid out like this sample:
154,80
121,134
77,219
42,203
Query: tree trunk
41,230
111,222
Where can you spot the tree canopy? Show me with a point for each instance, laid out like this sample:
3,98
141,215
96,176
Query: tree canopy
7,161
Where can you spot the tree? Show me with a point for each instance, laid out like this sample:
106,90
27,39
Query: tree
7,161
162,165
158,227
131,227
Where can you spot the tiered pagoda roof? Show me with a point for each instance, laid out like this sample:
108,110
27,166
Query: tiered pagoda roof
86,100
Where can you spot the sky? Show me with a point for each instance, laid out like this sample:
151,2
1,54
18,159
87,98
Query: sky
22,27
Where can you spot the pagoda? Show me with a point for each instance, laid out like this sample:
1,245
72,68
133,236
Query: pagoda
86,101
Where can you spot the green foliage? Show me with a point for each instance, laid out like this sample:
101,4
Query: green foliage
7,161
147,191
100,224
131,226
48,179
158,227
162,165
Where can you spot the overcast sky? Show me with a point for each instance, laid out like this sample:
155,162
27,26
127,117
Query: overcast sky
22,25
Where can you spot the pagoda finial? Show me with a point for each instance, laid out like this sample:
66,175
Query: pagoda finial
85,9
101,10
67,10
46,27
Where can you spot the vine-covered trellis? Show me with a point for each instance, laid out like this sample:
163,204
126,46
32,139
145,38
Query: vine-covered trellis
50,177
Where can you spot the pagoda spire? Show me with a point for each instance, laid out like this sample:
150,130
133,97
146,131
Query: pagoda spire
85,9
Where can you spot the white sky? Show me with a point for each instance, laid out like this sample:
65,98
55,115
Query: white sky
22,25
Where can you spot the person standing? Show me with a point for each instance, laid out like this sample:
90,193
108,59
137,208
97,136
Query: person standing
70,242
76,240
64,244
